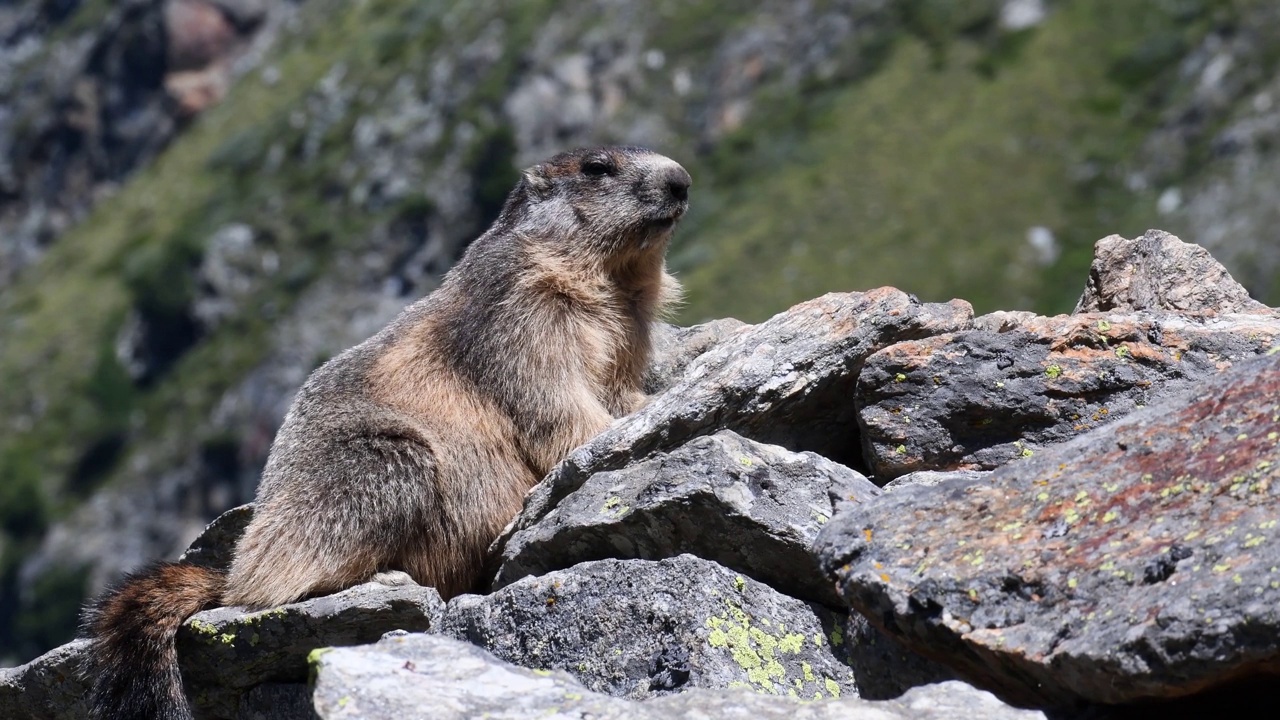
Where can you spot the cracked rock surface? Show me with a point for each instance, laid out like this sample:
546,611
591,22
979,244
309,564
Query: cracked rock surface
1136,562
638,628
751,507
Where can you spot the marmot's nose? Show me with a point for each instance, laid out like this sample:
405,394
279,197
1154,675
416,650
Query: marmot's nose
678,182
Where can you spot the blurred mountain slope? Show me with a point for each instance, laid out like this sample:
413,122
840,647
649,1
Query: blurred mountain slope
152,350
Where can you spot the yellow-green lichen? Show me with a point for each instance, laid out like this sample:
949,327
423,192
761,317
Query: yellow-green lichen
837,636
314,656
758,651
1053,371
791,643
203,627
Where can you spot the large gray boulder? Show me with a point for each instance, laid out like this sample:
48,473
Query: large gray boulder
638,628
1137,563
401,677
237,664
753,508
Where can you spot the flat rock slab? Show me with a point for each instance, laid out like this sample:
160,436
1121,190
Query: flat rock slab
639,628
50,687
1138,562
399,677
980,398
232,660
788,381
753,508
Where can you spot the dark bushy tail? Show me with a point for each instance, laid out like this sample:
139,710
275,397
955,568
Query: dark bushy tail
133,666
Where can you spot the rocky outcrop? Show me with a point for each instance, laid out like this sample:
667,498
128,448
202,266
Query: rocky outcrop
1135,563
399,676
709,553
1157,316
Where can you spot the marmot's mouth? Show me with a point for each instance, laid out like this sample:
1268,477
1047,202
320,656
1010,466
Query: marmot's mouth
668,220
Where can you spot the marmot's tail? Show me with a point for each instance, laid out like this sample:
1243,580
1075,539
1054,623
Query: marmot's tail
133,666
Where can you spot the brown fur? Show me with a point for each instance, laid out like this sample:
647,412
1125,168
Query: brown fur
133,626
412,450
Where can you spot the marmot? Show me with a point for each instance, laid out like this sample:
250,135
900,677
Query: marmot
412,450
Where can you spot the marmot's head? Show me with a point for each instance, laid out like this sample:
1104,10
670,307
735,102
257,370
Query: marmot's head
618,201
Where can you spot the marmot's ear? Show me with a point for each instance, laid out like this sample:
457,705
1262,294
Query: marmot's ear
538,182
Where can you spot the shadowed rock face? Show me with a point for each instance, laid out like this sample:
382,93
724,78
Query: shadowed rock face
1133,563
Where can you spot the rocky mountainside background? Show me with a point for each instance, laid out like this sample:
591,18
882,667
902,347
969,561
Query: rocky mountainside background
201,200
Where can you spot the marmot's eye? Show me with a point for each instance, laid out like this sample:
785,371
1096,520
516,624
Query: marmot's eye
598,166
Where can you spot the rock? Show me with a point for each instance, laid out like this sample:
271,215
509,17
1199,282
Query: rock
786,381
930,478
1135,563
753,508
675,347
638,628
978,399
233,661
885,668
48,688
216,546
400,676
1160,272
